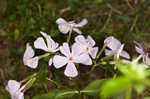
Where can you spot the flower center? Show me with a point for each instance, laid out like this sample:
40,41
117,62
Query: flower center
70,59
87,49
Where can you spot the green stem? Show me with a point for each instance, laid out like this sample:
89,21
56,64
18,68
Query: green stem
53,82
45,55
128,92
69,36
107,21
101,51
94,66
134,23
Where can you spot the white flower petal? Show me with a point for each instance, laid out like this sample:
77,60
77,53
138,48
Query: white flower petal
80,40
64,49
90,41
83,59
40,44
77,30
88,61
119,51
109,52
52,46
71,70
59,61
139,50
77,49
82,23
12,86
29,52
125,54
113,43
18,95
50,61
61,21
32,62
64,28
93,52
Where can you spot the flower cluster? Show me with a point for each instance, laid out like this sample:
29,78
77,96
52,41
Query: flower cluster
83,51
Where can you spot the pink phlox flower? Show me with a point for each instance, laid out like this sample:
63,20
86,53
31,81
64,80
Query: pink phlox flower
66,27
49,46
142,55
116,48
69,58
87,46
15,89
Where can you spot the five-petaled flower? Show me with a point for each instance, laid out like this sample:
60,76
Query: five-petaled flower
116,48
28,58
66,27
87,46
50,47
15,89
70,58
142,55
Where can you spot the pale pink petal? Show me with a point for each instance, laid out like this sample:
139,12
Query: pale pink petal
61,21
119,51
80,40
52,46
139,50
109,52
18,95
77,49
90,41
88,61
32,62
83,59
29,52
71,70
77,30
125,54
64,28
82,23
64,49
59,61
12,86
93,52
50,61
113,43
40,44
21,96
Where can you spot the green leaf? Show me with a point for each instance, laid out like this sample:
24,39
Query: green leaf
93,88
147,97
113,86
49,95
67,93
57,94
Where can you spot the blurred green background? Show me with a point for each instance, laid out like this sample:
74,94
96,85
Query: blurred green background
22,20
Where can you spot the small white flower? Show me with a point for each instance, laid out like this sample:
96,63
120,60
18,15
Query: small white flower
142,55
87,46
66,27
70,58
51,45
116,48
13,87
28,58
